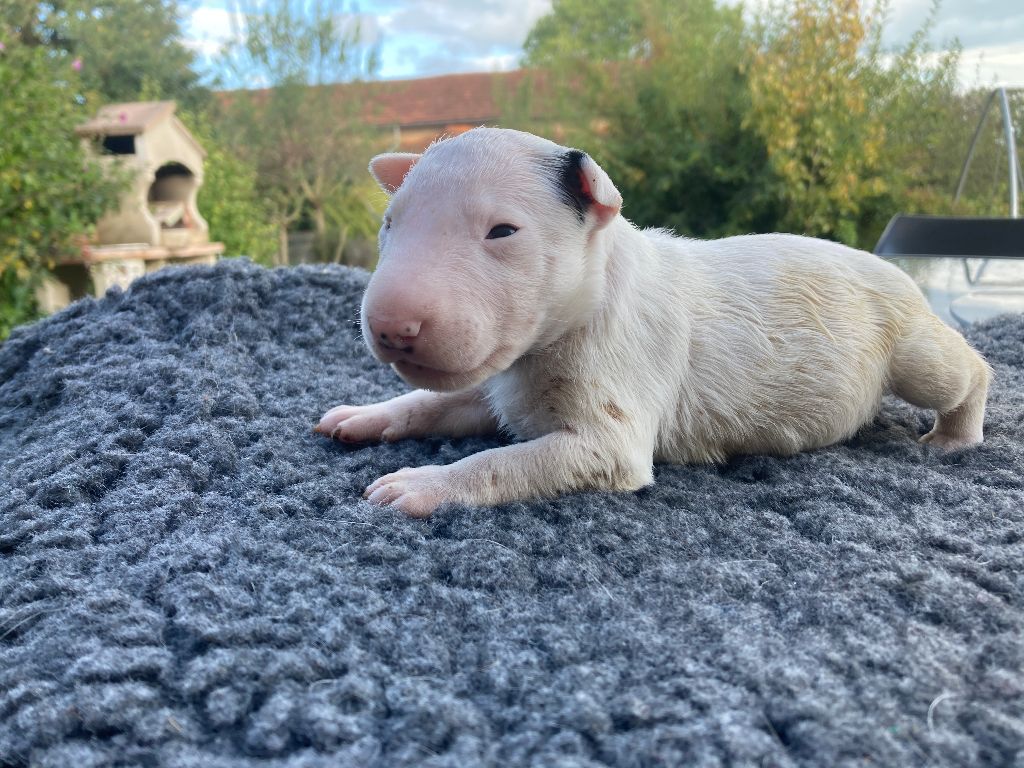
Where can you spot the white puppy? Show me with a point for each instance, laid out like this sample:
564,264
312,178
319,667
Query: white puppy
514,295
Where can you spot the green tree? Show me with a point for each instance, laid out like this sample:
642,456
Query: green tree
585,32
51,191
799,121
229,201
946,132
811,105
306,138
851,129
119,44
656,90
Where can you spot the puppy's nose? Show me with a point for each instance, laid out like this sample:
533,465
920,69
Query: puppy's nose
395,332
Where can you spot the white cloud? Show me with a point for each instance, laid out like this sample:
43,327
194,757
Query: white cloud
208,28
993,65
427,37
498,63
990,31
472,23
975,23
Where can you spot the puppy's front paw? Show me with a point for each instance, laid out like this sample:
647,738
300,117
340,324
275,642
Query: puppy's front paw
361,423
417,491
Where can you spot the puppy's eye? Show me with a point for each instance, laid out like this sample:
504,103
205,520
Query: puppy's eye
502,230
387,222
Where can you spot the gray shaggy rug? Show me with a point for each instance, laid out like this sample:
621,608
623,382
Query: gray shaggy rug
188,576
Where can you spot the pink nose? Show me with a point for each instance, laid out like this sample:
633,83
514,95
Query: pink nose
394,332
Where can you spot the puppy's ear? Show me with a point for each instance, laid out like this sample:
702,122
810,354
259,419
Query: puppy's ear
585,187
390,169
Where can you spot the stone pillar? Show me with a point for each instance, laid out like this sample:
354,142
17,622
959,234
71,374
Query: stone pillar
52,295
119,272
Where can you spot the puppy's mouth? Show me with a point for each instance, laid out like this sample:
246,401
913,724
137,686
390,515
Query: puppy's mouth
440,380
404,344
416,373
398,353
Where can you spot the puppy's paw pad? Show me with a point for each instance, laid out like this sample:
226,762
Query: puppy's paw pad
415,491
949,442
357,423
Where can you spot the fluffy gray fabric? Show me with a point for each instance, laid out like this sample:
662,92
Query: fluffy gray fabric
188,576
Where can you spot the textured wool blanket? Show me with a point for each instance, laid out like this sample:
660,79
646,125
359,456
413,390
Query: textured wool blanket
189,577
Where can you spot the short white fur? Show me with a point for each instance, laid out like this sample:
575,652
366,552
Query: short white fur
604,348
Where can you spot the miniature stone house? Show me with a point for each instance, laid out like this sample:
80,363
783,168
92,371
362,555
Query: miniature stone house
158,222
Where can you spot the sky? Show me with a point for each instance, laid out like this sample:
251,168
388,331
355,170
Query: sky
419,38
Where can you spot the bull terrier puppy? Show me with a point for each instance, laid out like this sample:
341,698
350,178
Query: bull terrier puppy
514,296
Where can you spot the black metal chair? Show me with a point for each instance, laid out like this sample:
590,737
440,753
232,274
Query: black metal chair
966,237
952,237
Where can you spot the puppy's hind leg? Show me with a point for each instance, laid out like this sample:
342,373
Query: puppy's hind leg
932,366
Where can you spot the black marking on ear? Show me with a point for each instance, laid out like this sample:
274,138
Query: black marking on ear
565,173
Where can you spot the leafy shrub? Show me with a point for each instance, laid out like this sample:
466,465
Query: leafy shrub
713,124
51,191
229,199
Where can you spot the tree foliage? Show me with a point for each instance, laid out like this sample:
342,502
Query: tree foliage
120,44
307,139
660,102
584,32
849,129
811,102
798,121
61,60
229,199
51,191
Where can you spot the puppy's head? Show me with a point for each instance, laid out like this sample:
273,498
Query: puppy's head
486,252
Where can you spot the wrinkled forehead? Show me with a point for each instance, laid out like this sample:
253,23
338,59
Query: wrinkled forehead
487,166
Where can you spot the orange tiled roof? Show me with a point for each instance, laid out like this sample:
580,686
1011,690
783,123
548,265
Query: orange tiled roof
472,98
467,98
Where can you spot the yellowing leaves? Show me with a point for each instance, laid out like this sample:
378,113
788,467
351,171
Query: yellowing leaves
809,105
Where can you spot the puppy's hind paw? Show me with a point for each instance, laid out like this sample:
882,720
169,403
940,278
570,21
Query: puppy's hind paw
949,443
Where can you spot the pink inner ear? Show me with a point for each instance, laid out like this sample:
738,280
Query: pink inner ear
389,170
587,188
